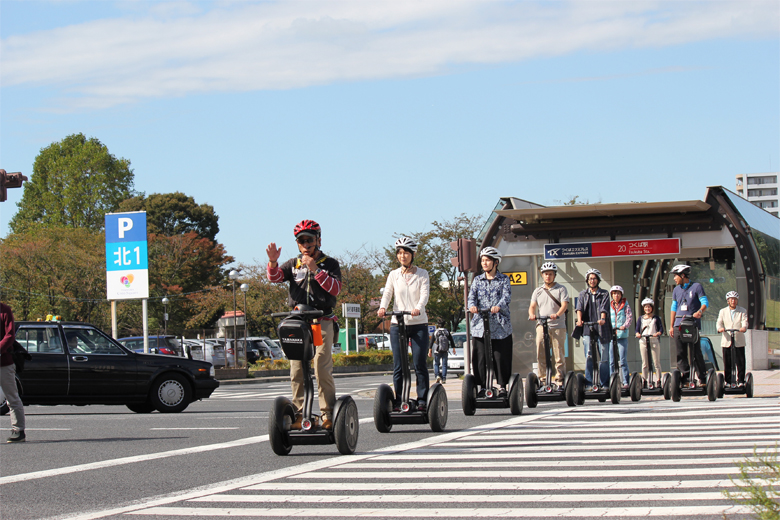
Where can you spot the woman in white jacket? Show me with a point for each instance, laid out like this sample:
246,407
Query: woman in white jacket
733,317
410,287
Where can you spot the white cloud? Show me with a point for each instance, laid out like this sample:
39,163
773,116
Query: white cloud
177,49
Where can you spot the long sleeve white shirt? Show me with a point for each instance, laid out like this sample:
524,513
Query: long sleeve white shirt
410,291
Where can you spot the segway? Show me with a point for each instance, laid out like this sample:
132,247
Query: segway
470,399
653,387
550,391
602,393
634,388
734,387
297,339
386,415
689,334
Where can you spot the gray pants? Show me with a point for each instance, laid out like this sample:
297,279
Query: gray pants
8,384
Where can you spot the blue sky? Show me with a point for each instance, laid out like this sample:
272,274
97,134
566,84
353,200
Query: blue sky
377,118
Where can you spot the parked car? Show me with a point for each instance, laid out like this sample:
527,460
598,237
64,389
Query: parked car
455,360
167,345
262,346
78,364
380,341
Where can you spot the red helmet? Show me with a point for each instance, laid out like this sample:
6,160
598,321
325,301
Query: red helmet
307,227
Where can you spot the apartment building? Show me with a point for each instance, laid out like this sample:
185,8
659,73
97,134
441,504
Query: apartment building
760,189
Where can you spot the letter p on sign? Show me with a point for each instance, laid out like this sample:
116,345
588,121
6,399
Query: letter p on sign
125,224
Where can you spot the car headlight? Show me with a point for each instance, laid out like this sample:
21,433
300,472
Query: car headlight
212,372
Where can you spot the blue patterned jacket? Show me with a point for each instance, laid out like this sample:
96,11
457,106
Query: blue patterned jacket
486,293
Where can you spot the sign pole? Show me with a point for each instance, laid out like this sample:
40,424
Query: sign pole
114,333
145,319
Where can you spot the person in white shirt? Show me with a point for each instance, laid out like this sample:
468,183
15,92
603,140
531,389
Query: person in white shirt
733,317
409,287
551,299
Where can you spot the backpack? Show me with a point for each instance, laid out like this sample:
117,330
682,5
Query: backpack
442,341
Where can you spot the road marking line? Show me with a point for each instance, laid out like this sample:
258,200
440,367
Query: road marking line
526,473
651,451
547,463
590,512
197,428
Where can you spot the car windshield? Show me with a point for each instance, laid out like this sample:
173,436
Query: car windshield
90,341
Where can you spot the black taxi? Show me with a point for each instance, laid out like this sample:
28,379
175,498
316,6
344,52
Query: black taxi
78,364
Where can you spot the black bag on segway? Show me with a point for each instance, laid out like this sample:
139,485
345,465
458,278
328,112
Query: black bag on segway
689,332
296,338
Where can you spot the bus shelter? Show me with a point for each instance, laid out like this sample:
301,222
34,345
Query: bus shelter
729,243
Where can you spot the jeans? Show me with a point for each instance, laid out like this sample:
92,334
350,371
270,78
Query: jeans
622,352
418,334
605,360
440,358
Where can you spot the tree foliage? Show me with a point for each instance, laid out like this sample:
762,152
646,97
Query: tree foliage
74,183
173,214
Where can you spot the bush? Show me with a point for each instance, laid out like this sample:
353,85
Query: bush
369,357
758,484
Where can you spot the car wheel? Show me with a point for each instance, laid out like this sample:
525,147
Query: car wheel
438,409
531,384
141,407
383,405
171,393
347,427
468,393
279,420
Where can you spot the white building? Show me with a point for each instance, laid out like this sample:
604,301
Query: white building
760,189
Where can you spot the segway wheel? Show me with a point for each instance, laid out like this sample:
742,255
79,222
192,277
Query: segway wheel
531,384
712,385
468,395
721,385
615,389
581,389
516,395
636,387
676,386
279,421
346,427
383,405
749,385
438,409
571,390
666,384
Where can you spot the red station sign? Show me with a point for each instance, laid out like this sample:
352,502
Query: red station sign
658,246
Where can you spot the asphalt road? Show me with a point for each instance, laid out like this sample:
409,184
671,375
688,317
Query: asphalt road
654,457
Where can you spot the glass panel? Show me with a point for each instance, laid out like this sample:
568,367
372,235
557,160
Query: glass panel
39,340
755,217
90,341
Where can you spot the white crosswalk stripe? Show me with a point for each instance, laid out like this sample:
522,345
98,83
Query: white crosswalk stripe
673,463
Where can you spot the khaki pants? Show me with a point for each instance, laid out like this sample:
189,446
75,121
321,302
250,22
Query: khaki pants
323,371
557,342
655,349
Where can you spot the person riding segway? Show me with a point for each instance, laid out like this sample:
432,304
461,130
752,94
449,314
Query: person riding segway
491,330
620,320
409,287
688,305
732,324
551,300
593,313
649,328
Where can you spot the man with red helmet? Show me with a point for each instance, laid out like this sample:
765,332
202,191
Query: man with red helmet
315,280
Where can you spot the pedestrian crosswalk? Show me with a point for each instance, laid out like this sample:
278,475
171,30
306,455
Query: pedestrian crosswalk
629,461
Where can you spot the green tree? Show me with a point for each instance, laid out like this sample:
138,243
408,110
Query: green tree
173,214
74,183
360,285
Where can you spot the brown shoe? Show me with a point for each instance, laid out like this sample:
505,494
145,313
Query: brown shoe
326,422
297,424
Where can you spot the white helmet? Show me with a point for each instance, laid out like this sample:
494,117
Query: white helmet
548,266
491,252
732,294
648,301
682,270
406,243
616,288
593,271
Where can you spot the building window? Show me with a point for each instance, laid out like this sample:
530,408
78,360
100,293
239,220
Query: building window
768,179
767,192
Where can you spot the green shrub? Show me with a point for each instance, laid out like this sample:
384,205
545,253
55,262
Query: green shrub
758,484
369,357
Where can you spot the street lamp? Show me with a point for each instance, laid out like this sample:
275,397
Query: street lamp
244,288
165,302
234,276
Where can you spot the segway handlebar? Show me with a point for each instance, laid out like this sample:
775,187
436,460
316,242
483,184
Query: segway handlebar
731,330
398,313
307,314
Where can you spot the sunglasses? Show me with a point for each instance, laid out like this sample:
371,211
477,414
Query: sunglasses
305,240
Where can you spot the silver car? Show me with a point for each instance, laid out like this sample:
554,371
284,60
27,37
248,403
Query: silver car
455,361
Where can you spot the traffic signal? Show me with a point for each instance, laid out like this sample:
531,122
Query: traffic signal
9,180
466,261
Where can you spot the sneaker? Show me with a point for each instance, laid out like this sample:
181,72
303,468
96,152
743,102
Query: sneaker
625,387
502,392
297,424
438,379
17,436
327,424
443,380
421,407
481,393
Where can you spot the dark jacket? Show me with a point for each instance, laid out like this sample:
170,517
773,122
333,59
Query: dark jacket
585,305
659,325
9,335
305,289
